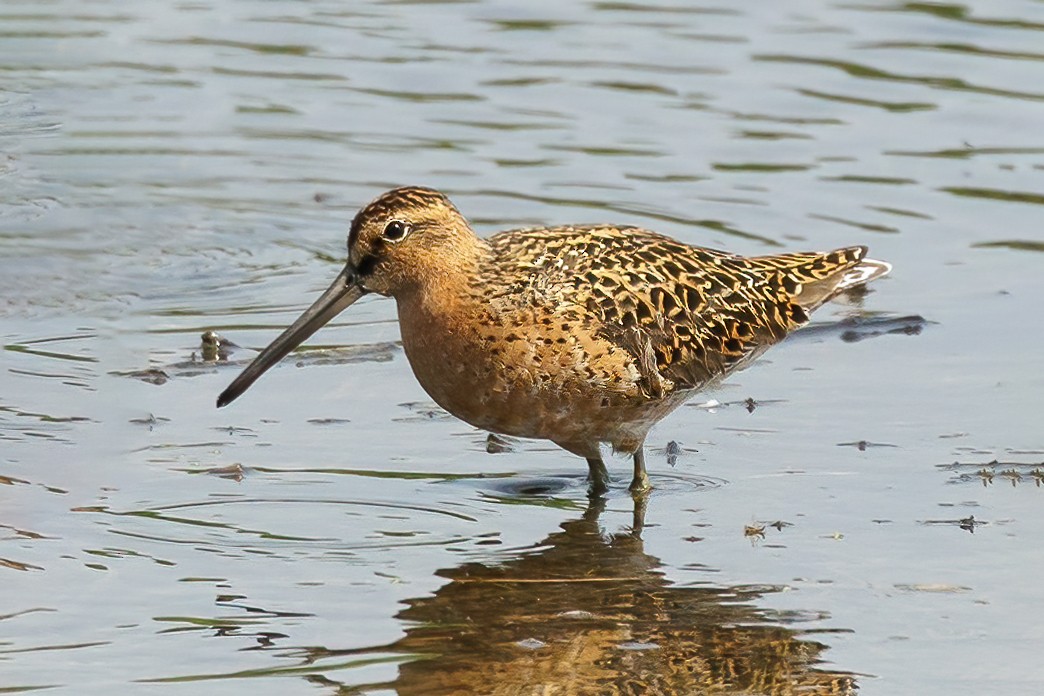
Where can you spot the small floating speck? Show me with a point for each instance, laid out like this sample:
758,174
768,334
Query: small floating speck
152,376
755,531
18,565
151,421
673,451
575,614
235,430
638,645
531,644
422,411
232,472
498,444
214,347
968,523
933,587
864,445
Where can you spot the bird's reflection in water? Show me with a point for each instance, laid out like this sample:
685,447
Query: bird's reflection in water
590,613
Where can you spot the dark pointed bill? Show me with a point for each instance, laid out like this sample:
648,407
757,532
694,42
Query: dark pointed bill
338,297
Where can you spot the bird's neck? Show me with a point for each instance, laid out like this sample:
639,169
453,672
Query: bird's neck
450,292
437,321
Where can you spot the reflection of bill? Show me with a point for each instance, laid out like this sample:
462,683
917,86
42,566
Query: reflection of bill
591,614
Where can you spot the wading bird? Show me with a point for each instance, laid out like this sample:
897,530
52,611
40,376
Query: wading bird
580,335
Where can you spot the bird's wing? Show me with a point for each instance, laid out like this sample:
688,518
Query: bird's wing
687,315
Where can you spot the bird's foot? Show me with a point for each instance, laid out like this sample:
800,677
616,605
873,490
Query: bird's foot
640,485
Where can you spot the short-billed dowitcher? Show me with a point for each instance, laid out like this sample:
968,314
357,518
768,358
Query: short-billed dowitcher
580,335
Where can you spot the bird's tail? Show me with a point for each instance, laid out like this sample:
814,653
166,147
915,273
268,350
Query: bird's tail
863,273
853,270
814,278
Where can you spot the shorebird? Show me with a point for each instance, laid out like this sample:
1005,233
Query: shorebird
580,334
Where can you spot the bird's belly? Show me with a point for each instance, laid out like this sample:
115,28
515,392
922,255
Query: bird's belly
526,388
516,407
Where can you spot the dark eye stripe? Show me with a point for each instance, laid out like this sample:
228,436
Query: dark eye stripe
366,265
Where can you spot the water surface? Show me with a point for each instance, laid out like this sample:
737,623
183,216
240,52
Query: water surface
166,170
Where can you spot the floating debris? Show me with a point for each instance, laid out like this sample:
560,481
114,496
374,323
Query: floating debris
215,352
232,472
750,404
151,421
638,645
933,587
498,444
328,421
423,411
754,531
214,347
968,523
864,445
235,430
672,450
531,644
150,376
986,473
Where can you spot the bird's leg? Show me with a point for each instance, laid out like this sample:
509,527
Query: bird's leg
640,482
597,475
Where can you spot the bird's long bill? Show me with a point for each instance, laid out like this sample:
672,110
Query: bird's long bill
341,293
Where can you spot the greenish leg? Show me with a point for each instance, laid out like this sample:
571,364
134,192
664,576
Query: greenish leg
640,482
597,475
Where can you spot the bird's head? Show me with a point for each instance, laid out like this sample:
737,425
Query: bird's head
403,240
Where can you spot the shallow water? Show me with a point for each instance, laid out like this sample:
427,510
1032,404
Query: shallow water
167,170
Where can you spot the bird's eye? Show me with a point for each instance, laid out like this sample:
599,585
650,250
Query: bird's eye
396,231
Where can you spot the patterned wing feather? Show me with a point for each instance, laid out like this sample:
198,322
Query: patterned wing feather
687,315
